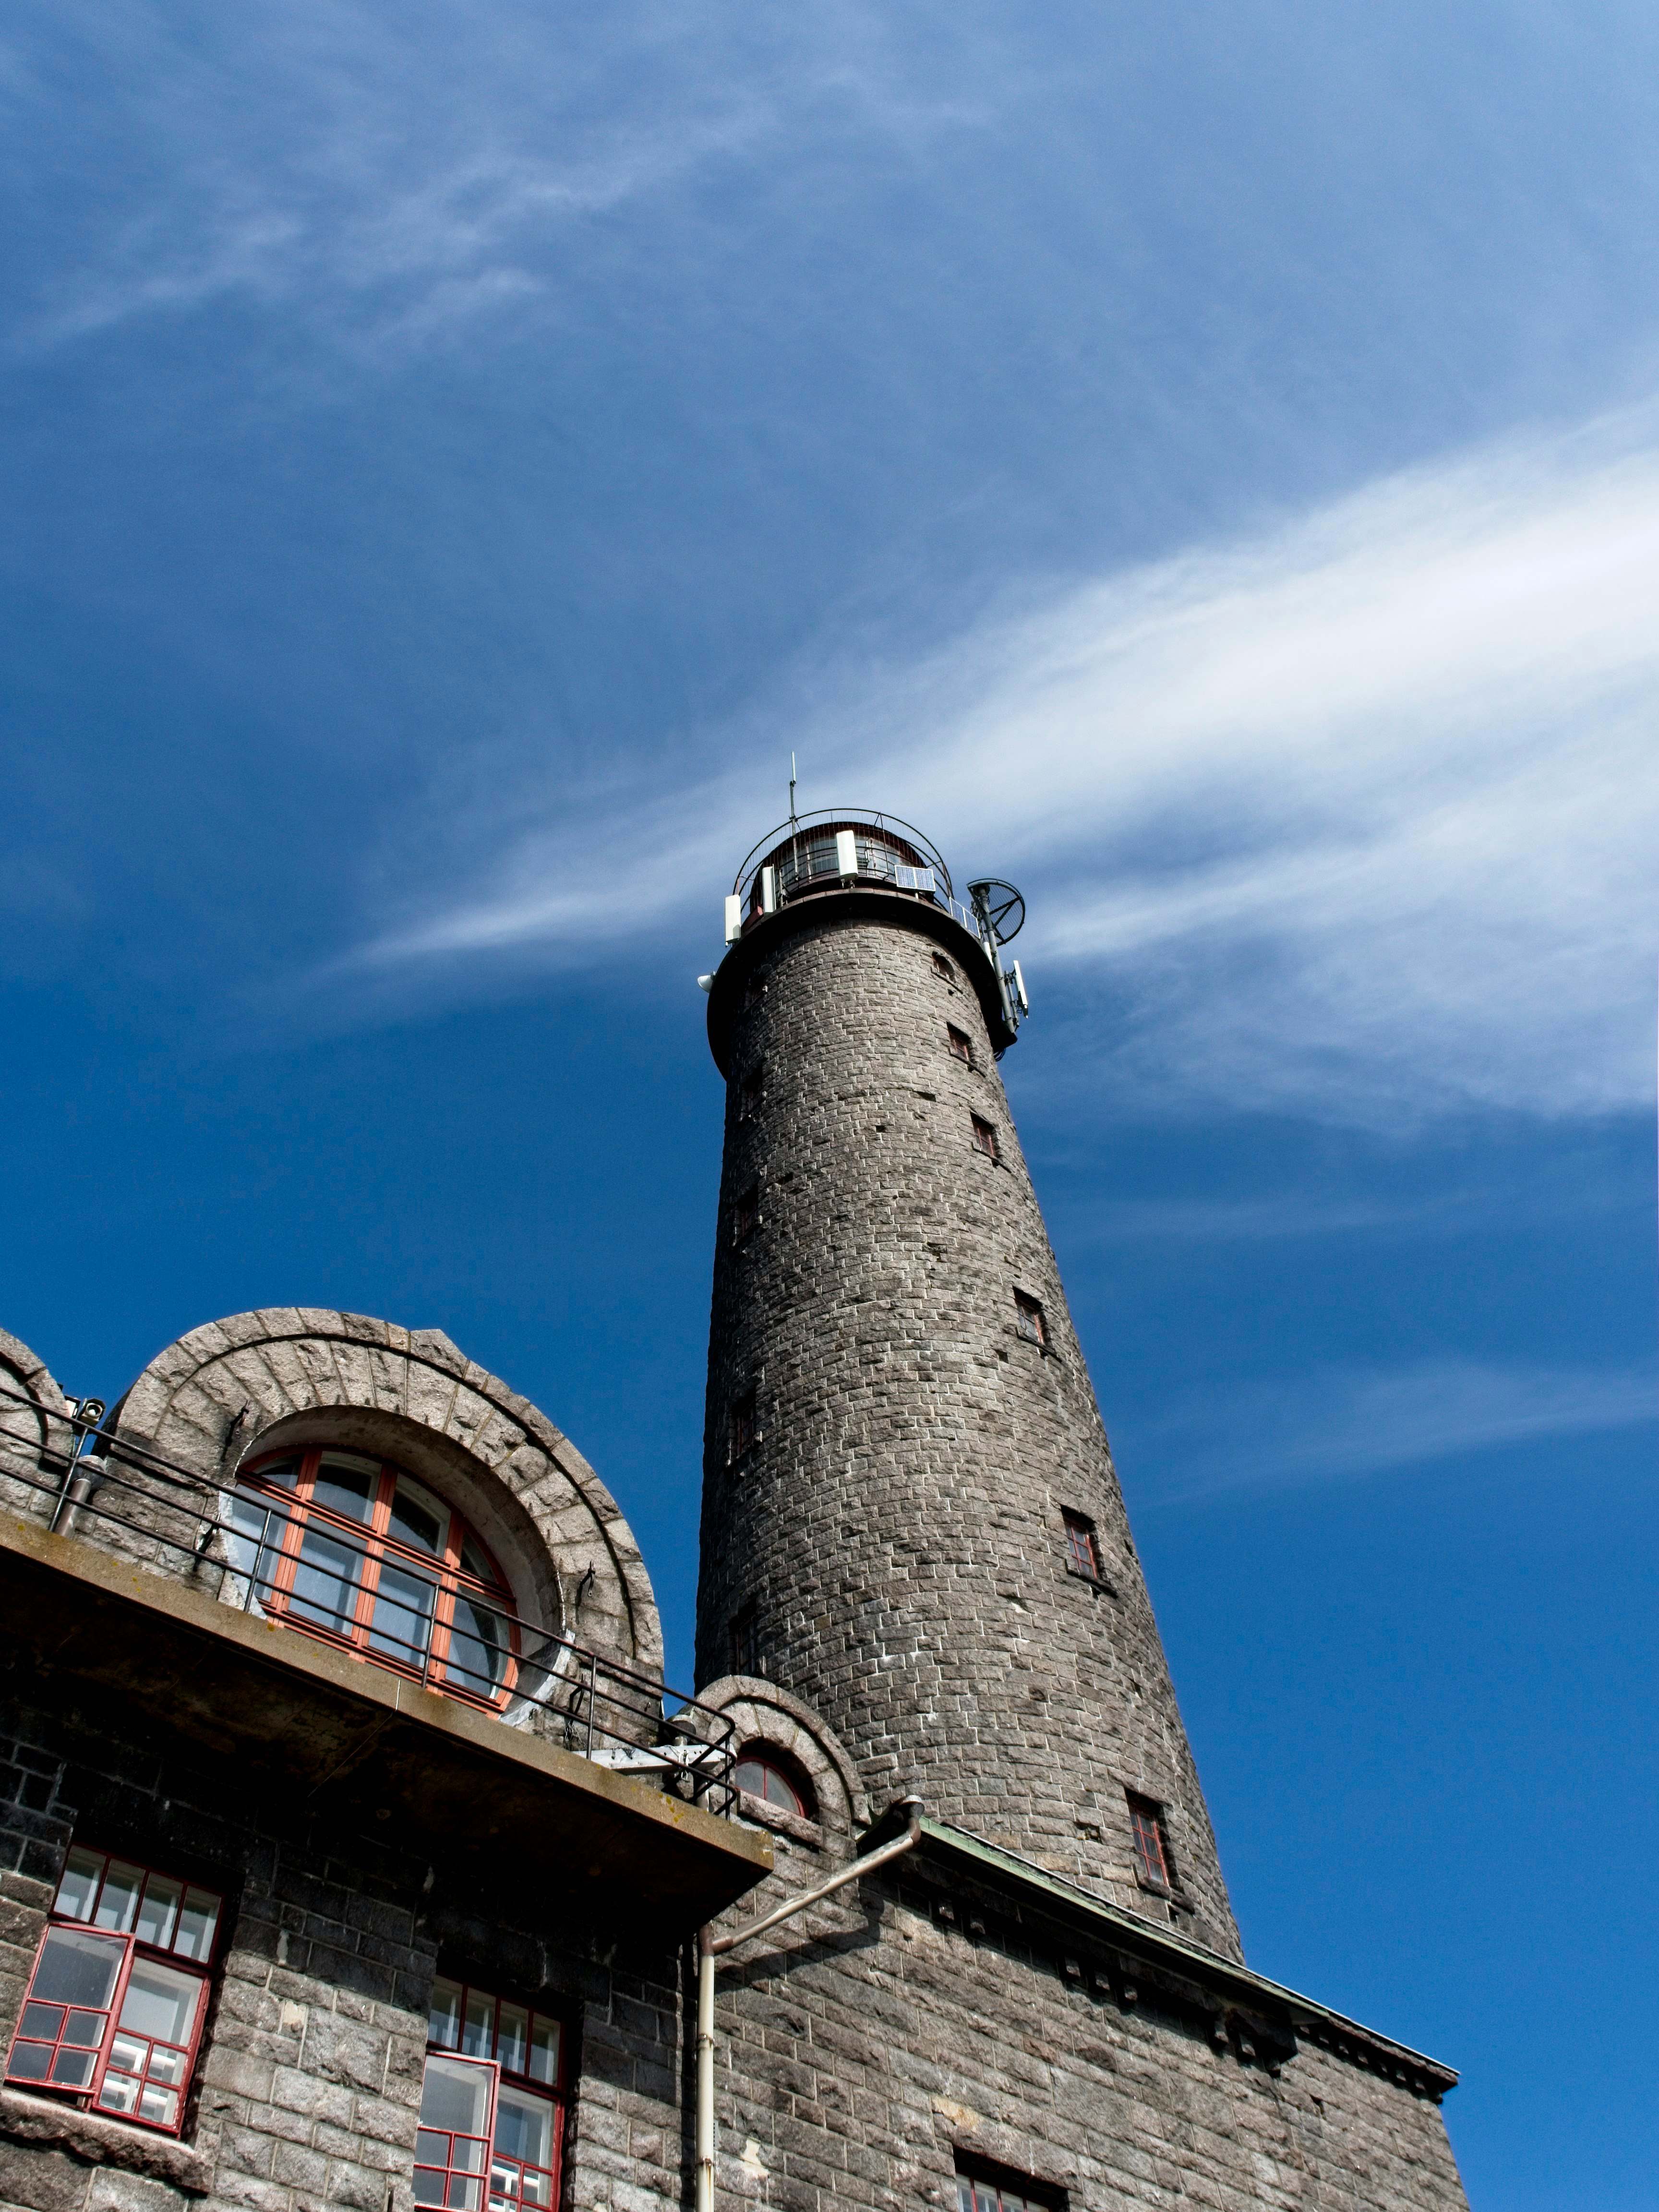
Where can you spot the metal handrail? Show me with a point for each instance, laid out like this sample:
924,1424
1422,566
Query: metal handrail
821,817
878,865
597,1706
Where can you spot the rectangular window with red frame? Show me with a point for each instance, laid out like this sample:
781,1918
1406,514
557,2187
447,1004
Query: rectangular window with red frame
1152,1842
113,2016
492,2104
1082,1546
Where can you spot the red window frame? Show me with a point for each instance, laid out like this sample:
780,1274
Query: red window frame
742,1432
985,1138
962,1046
481,2029
760,1772
980,2191
110,1899
1082,1545
436,1661
1028,1320
1152,1842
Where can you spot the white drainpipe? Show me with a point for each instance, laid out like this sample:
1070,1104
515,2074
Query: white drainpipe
711,1946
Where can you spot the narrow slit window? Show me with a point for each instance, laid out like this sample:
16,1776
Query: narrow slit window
961,1044
740,1430
985,1138
943,968
1082,1546
748,1097
746,1214
754,991
1028,1320
745,1636
1152,1841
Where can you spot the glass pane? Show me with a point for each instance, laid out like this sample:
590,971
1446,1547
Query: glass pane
985,2200
197,1923
400,1623
160,2001
749,1774
253,1538
127,2054
82,1871
77,1969
466,2153
478,1647
159,1913
281,1474
474,1563
44,2020
543,2050
964,2194
85,2028
160,2106
456,2096
166,2065
444,2021
478,2036
536,2189
74,2068
417,1517
428,2186
348,1485
120,1899
462,2194
780,1792
28,2061
513,2038
325,1581
119,2093
524,2127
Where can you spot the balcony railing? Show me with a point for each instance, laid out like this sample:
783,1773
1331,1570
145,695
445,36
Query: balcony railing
808,854
244,1545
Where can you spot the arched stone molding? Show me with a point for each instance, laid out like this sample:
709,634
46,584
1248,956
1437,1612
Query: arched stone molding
236,1388
761,1713
34,1434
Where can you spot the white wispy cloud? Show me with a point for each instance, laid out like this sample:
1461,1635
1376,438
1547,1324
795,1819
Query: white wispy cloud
1358,817
1347,1423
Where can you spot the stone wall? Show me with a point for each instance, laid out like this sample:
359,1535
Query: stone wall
309,2084
910,2023
891,1545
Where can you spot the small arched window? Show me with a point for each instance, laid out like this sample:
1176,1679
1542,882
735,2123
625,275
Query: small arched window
355,1551
768,1775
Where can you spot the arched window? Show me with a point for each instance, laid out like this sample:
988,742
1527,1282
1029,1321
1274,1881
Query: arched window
770,1776
355,1551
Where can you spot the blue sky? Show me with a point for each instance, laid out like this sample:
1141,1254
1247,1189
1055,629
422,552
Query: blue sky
1202,463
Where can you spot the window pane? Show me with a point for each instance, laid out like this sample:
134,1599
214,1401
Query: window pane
428,2186
159,1913
478,2033
348,1485
118,1900
74,2068
478,1647
44,2020
197,1923
401,1621
29,2062
462,2194
160,2001
964,2187
158,2106
513,2038
543,2050
455,2096
417,1517
325,1581
524,2127
83,2027
474,1563
82,1871
77,1969
281,1474
444,2021
253,1538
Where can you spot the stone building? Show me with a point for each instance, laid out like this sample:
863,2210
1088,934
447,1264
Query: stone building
353,1853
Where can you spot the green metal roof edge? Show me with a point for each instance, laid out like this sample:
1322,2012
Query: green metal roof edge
1127,1927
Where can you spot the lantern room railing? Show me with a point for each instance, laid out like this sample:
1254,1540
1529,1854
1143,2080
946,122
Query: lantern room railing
837,846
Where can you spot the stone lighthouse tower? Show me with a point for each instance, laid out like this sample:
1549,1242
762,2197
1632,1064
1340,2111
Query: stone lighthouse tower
911,1522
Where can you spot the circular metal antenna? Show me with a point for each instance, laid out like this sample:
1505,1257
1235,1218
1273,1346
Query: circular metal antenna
1002,905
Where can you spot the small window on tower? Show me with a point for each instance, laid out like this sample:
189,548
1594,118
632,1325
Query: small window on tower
1082,1546
985,1138
962,1045
1154,1862
745,1646
748,1097
754,991
740,1432
746,1214
942,967
1028,1320
772,1777
983,2187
